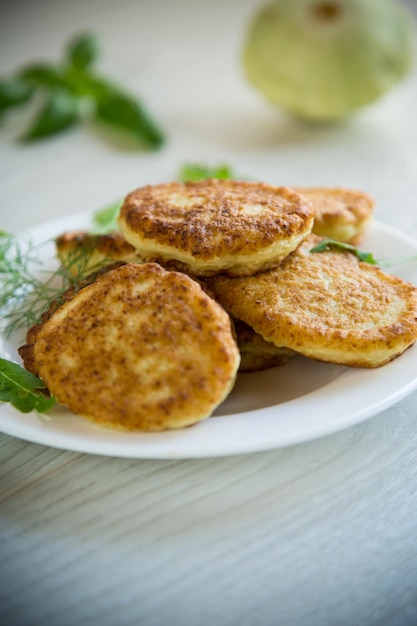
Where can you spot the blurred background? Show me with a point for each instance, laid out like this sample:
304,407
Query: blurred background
183,59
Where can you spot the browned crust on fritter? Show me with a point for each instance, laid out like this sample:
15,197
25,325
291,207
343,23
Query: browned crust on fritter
26,351
80,251
339,213
214,224
256,353
139,349
327,306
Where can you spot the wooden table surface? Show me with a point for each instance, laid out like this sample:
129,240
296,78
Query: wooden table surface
318,533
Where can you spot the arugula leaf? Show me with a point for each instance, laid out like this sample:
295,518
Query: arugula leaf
199,171
82,51
331,244
22,389
59,113
105,220
126,114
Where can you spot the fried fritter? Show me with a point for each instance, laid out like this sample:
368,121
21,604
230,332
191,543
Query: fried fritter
256,353
328,306
340,214
81,251
140,348
213,226
26,351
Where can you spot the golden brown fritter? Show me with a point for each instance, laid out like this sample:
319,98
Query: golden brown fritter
328,306
80,251
339,213
26,351
140,348
213,226
256,353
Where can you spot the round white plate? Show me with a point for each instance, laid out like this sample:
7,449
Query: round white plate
280,406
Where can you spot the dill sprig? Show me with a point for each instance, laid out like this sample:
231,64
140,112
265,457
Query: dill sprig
26,289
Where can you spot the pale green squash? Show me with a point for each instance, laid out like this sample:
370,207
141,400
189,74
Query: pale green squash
324,59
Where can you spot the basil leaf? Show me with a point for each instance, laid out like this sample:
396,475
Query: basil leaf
42,75
22,389
105,220
14,91
59,113
197,171
82,51
331,244
126,114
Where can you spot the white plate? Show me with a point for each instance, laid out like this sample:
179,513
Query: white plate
281,406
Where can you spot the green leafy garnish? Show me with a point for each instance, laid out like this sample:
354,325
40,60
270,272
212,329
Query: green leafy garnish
397,260
71,92
197,171
124,113
59,112
105,220
332,244
83,51
14,91
26,291
23,389
366,257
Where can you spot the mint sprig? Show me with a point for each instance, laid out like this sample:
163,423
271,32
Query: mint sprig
25,391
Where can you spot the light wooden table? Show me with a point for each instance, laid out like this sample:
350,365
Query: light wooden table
320,533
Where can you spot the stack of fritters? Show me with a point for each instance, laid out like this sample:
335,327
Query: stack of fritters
148,345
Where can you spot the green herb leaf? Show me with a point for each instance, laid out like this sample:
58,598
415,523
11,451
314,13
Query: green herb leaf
42,75
59,113
198,171
25,293
82,51
331,244
75,93
397,260
22,389
14,91
105,220
124,113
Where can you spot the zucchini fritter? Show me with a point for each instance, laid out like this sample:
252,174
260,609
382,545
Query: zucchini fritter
140,348
328,306
213,226
81,251
340,214
255,353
